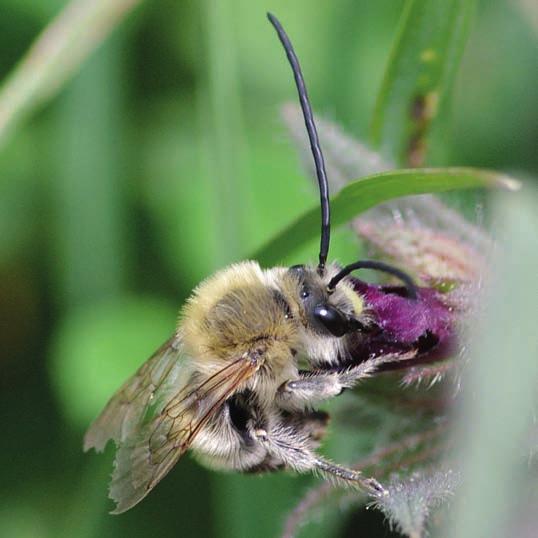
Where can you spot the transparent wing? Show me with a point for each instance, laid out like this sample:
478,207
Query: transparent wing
159,375
166,431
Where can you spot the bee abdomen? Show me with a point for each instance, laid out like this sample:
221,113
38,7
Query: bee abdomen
240,408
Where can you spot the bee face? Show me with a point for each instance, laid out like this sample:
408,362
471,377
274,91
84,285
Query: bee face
321,312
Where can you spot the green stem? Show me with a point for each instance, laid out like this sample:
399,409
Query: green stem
89,257
221,110
55,55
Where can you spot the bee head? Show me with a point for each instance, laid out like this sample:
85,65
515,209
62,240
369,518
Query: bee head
321,312
328,305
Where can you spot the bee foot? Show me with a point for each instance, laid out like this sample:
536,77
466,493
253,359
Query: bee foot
374,488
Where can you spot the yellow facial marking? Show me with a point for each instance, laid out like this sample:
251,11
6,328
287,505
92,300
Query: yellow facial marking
353,297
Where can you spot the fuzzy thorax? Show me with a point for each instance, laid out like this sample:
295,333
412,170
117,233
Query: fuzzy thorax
236,312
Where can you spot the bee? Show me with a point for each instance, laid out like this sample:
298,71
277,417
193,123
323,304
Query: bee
227,385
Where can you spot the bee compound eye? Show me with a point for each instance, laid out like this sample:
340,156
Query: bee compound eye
298,271
332,319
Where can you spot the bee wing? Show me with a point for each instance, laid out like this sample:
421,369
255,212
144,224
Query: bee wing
124,412
149,452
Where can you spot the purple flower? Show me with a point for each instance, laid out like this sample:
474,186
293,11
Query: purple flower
426,325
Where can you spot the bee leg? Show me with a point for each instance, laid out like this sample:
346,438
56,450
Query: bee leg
290,447
315,386
349,477
308,390
312,424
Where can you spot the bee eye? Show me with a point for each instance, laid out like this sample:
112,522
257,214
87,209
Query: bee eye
332,319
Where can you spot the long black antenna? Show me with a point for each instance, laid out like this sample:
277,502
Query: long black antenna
377,266
314,142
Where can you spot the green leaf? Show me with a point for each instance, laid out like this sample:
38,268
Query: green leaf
367,192
419,75
497,424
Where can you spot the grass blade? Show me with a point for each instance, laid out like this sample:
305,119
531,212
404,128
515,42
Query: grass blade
55,55
221,116
369,191
90,257
419,75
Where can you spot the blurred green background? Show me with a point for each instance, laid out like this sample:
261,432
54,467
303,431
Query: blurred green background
161,160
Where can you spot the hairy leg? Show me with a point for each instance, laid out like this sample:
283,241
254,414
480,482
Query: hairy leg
318,385
312,424
291,447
